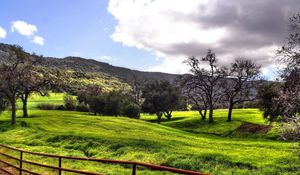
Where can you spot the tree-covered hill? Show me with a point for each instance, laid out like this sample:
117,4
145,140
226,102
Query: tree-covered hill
90,65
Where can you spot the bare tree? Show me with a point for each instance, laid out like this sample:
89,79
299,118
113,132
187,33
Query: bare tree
11,72
240,83
194,95
207,79
137,85
36,80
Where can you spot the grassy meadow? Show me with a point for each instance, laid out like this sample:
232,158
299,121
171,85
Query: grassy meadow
183,142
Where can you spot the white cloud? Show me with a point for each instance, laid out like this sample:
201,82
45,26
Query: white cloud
174,30
28,30
38,40
170,65
2,33
23,28
105,58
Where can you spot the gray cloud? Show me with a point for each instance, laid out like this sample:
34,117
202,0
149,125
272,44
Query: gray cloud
253,29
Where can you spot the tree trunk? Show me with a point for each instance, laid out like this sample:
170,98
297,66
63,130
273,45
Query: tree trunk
168,115
211,111
159,114
229,111
24,100
205,110
13,111
202,114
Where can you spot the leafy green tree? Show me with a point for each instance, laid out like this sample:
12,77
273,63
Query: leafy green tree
161,98
70,102
131,110
266,96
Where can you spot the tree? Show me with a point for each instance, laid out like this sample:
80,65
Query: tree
131,110
137,84
3,102
287,102
91,96
289,54
161,98
266,95
37,79
206,77
13,65
195,95
70,102
240,83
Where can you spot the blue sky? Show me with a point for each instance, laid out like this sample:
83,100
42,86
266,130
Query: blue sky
151,35
80,28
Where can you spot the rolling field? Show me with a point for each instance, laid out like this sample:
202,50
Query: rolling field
184,142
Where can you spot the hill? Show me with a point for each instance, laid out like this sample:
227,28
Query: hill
184,142
90,65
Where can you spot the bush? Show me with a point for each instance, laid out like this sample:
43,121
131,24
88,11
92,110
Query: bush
132,111
82,107
112,106
47,106
70,103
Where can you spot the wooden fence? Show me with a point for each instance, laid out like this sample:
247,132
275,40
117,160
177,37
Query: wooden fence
60,168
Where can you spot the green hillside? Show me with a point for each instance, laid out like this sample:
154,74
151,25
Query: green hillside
184,142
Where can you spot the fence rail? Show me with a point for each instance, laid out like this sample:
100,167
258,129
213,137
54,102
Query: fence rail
60,169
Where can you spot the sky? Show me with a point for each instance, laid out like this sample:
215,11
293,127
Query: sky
150,35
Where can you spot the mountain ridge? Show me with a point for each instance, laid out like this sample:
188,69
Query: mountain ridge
91,65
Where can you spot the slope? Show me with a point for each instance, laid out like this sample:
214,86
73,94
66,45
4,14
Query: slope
81,134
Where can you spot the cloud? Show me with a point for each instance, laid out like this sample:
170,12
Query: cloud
174,30
170,65
2,33
23,28
28,30
105,58
38,40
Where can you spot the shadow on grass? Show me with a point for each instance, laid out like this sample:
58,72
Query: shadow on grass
30,116
6,126
165,120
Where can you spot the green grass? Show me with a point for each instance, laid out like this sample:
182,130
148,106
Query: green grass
184,142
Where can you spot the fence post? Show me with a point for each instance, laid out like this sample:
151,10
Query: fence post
21,162
134,169
59,166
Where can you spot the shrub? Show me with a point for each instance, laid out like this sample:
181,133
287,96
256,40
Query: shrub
132,111
70,103
82,107
47,106
112,106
